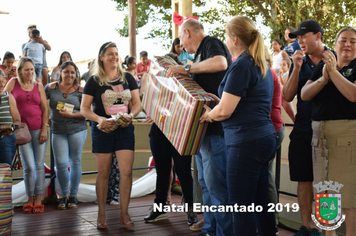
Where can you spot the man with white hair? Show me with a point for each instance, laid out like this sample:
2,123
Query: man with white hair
210,63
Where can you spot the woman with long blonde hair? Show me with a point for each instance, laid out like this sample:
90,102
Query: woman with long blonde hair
246,95
110,90
32,104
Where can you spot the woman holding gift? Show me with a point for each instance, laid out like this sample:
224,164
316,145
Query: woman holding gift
246,95
69,131
110,90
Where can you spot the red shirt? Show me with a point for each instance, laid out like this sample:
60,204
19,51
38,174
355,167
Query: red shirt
142,68
29,105
9,76
276,116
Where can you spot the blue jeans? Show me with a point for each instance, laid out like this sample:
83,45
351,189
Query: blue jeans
247,181
33,154
272,190
211,165
8,148
67,150
38,71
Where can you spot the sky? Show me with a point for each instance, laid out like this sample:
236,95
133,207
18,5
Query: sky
77,26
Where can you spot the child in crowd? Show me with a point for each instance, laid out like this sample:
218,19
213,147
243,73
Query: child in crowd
284,70
130,66
35,50
278,54
8,66
283,75
144,64
114,180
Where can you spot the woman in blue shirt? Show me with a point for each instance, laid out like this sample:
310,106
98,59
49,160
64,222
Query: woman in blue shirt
246,95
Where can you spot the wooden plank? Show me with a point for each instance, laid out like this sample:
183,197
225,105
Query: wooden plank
82,221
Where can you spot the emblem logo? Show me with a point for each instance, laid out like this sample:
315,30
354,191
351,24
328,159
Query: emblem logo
348,72
328,206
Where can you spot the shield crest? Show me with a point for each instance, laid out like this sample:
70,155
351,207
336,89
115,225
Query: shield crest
328,208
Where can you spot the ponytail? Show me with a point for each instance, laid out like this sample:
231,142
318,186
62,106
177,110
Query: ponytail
257,51
244,28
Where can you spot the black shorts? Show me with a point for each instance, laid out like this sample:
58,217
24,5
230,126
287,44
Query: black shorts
119,139
300,156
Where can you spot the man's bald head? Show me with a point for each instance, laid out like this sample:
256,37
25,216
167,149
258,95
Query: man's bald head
192,24
191,33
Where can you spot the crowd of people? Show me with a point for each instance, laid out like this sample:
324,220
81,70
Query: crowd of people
234,164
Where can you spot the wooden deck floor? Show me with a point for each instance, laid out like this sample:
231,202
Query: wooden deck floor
82,221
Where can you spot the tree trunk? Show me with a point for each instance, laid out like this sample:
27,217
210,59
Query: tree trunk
132,27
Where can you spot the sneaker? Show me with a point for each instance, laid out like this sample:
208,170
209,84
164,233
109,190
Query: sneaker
277,232
191,216
155,216
115,201
315,232
303,231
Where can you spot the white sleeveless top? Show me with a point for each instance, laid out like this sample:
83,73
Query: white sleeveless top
277,60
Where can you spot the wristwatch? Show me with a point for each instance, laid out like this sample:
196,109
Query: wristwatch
187,68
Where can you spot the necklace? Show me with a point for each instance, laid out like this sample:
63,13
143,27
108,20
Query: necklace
65,95
114,80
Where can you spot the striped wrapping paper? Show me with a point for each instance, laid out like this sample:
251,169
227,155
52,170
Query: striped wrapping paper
5,199
175,105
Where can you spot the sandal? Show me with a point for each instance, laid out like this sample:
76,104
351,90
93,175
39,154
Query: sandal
38,208
128,223
197,226
168,201
62,205
101,225
28,208
72,202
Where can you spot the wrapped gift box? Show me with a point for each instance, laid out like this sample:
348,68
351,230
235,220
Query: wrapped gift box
175,104
5,199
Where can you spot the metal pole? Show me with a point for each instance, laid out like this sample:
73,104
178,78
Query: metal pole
52,167
278,170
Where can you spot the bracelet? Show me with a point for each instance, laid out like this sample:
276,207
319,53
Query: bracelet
209,119
46,124
132,116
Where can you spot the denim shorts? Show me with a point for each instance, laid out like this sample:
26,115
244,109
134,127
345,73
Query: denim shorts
38,71
119,139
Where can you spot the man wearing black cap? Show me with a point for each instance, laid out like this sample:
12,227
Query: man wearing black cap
310,37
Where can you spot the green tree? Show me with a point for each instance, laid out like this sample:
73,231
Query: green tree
157,13
277,14
280,14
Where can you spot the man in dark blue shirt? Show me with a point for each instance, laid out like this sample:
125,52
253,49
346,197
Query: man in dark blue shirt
210,63
310,37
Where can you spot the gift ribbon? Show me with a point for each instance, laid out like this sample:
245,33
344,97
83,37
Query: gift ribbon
178,19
